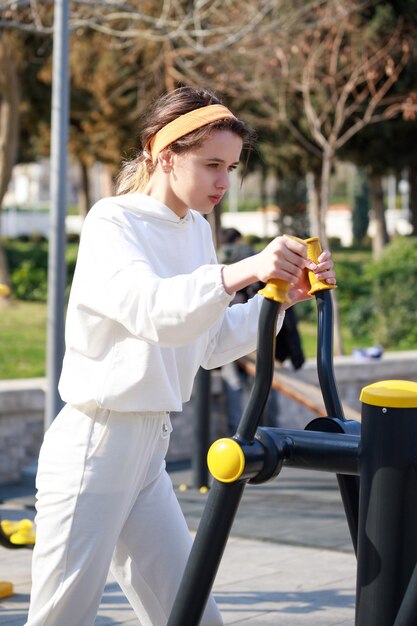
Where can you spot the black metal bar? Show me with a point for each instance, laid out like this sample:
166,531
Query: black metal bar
201,438
321,451
264,371
224,498
387,553
348,485
207,551
325,368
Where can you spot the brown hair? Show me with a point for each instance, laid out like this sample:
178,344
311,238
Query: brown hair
136,173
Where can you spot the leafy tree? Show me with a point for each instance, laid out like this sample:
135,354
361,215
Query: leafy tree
389,147
9,123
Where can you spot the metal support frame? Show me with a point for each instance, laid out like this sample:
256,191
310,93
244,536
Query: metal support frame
381,511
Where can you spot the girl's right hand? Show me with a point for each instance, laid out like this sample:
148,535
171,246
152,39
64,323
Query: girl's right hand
283,258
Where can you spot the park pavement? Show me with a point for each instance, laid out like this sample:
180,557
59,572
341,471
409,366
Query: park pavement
288,562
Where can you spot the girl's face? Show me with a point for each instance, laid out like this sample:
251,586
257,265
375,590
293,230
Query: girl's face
199,178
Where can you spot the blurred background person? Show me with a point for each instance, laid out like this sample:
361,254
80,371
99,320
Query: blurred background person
236,381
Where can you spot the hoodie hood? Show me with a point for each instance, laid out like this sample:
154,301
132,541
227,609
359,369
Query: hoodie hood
142,204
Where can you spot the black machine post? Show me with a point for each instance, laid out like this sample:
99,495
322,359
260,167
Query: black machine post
387,546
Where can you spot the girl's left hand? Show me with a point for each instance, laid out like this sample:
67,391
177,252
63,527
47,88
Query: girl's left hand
323,270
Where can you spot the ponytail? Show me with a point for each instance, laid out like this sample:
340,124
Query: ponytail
134,175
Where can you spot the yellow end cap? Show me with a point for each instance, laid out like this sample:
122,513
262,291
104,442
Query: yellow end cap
4,290
276,290
396,394
226,460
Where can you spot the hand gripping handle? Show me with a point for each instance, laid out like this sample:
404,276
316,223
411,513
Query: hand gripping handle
313,252
276,288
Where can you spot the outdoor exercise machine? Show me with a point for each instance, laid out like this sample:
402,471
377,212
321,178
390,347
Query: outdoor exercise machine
375,466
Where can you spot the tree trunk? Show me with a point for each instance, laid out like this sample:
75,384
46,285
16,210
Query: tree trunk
262,185
9,130
326,167
380,238
324,205
84,200
313,191
412,180
9,117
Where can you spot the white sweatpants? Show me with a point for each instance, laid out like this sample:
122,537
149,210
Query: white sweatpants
105,500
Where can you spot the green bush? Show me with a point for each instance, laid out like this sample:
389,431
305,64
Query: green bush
394,294
28,265
354,289
352,294
29,282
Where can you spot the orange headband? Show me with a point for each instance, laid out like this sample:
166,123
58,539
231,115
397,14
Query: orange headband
185,124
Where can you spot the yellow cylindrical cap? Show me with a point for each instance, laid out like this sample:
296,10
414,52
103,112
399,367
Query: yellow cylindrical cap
397,394
226,460
4,289
313,252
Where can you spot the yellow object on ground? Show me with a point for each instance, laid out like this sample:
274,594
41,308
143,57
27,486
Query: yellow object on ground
19,532
6,590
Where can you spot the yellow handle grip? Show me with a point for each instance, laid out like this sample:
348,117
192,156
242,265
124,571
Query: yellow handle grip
277,289
313,252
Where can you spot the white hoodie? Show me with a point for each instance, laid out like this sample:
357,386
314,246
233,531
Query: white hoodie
147,308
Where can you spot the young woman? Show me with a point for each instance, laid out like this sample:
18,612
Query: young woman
148,306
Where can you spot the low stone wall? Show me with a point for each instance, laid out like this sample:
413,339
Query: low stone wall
22,408
21,425
352,374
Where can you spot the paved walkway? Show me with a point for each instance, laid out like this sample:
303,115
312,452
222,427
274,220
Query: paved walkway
288,562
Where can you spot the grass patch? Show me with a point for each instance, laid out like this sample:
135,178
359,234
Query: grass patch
23,340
